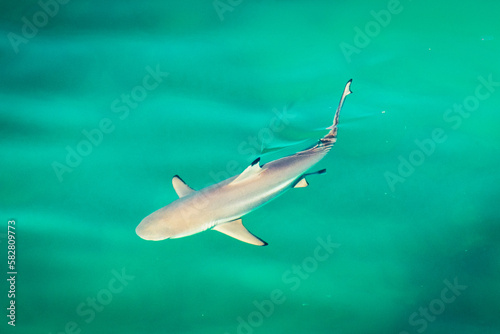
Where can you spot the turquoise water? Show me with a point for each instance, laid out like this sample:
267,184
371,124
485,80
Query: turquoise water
93,129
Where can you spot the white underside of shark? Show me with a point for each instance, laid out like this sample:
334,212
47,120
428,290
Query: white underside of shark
220,206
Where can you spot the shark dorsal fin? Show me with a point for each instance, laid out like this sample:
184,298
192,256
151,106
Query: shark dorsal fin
235,229
253,169
180,187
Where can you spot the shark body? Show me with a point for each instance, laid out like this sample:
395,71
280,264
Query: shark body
221,206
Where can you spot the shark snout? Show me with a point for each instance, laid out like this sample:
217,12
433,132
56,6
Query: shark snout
147,231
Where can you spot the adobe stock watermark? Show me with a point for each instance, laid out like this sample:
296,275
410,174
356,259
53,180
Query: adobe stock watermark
88,309
252,146
420,320
31,26
293,278
223,6
373,28
427,146
121,106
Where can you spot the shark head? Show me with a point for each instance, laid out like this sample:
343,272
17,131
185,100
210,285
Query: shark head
149,229
157,226
175,220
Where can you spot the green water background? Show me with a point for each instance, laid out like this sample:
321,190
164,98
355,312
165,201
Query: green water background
229,76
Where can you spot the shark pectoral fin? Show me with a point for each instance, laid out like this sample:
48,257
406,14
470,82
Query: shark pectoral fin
302,183
236,230
253,169
180,187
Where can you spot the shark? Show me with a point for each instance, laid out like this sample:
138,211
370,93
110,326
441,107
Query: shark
221,206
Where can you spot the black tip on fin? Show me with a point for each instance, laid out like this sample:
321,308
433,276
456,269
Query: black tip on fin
180,178
322,171
256,161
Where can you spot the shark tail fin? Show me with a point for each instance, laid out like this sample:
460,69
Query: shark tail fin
331,137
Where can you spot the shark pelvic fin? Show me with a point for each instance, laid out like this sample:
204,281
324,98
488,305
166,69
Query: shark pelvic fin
235,229
302,183
251,170
180,187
